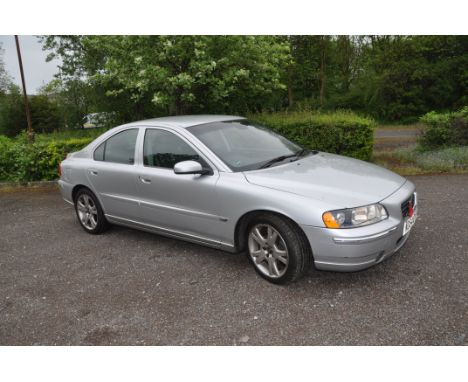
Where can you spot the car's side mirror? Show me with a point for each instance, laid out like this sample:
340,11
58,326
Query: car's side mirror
190,167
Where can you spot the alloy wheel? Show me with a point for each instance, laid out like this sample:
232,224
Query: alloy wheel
87,211
268,250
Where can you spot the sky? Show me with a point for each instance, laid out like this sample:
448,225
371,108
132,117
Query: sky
37,71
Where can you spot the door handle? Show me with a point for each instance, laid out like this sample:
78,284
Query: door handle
93,172
145,180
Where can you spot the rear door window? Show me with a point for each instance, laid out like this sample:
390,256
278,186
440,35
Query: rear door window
120,148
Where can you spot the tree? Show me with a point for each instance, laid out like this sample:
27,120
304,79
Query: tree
12,114
403,77
389,77
5,79
72,99
179,74
44,114
312,67
305,67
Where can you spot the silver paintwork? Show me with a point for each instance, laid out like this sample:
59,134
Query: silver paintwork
206,208
188,167
365,239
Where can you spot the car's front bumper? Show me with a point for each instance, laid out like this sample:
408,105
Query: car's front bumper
354,249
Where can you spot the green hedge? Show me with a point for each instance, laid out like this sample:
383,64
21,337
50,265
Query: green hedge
341,132
445,129
23,162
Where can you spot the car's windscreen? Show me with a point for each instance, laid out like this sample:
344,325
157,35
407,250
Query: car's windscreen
243,145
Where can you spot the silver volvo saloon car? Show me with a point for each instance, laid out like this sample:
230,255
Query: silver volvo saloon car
225,182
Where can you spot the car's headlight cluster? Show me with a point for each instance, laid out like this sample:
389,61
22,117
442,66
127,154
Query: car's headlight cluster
355,217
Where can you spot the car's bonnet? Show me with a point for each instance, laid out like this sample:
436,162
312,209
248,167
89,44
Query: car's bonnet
337,180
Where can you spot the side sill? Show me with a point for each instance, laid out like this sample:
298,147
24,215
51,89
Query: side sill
171,233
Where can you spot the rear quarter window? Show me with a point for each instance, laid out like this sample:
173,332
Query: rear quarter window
99,152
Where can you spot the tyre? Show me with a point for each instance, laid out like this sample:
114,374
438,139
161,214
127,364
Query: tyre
89,212
277,248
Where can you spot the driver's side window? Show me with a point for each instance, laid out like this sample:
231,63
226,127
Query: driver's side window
162,148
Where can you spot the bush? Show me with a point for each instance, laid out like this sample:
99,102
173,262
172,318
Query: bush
341,132
444,129
65,135
23,162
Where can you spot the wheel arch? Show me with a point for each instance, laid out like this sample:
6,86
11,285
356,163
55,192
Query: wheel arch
240,239
77,188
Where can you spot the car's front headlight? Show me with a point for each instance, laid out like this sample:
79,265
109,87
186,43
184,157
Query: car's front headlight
355,217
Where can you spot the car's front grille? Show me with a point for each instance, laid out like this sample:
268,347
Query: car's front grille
405,205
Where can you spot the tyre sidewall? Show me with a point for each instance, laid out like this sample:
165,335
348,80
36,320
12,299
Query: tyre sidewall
294,242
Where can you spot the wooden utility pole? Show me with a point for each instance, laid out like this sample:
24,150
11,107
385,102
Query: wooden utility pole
25,94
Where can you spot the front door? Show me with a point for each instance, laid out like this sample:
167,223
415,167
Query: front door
180,203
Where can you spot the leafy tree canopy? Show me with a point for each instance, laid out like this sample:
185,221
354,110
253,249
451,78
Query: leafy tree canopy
179,74
388,77
5,79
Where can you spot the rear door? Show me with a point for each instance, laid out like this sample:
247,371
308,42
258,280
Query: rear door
113,174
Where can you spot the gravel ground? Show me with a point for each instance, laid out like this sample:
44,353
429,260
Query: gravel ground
59,285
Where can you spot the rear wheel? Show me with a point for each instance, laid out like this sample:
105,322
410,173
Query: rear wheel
277,249
89,212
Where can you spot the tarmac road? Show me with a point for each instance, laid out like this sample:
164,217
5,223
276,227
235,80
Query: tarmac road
391,139
59,285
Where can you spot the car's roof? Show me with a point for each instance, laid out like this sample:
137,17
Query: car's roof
184,121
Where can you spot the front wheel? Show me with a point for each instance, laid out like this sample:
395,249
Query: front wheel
277,249
89,212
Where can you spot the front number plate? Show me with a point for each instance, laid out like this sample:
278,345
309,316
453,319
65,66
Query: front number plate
409,223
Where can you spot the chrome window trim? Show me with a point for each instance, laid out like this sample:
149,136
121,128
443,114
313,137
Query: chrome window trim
176,133
104,141
183,132
220,165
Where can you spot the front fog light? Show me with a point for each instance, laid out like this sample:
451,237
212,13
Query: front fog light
354,217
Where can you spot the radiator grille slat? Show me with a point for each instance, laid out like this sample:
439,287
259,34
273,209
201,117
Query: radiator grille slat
405,205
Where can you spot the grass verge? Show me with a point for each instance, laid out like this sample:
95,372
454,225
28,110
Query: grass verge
411,161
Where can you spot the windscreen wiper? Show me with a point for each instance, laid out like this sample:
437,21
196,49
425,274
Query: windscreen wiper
297,155
277,159
301,153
